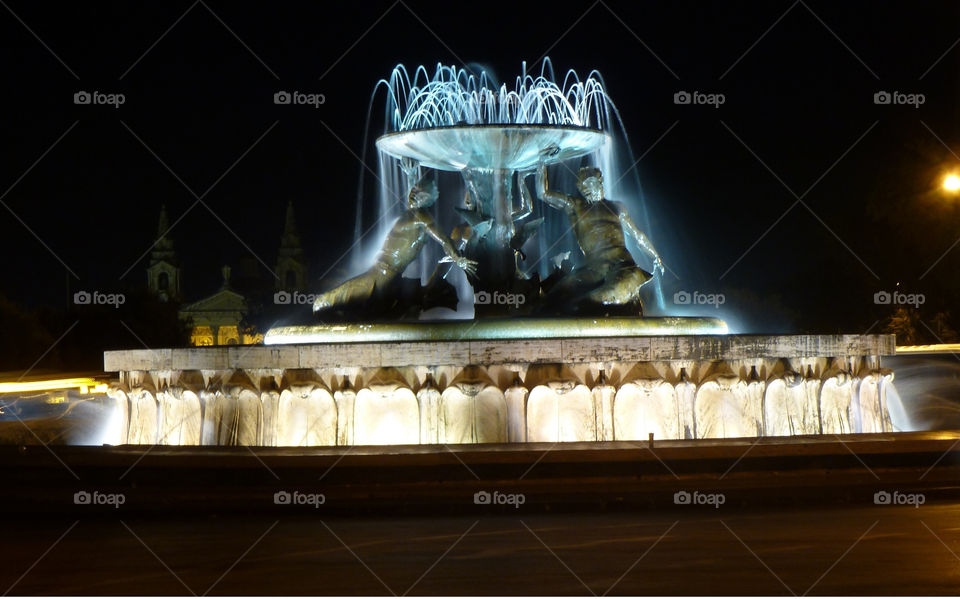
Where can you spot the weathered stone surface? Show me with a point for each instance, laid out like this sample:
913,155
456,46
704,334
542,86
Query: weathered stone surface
507,351
496,328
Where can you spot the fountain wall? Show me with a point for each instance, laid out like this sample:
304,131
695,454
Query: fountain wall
504,391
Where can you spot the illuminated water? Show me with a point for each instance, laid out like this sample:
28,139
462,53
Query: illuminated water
454,96
928,392
420,99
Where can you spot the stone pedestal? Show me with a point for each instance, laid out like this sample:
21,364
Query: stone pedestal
507,390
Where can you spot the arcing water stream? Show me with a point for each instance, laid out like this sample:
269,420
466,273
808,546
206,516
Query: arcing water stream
455,97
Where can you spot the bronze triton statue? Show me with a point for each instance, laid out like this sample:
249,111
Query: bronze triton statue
400,248
608,280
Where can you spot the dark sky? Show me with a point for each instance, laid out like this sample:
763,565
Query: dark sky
799,80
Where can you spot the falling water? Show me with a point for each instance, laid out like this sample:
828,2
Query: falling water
451,96
927,387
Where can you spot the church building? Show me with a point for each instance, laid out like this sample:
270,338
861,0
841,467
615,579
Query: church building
223,317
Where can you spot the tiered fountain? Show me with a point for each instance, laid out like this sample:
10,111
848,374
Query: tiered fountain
571,357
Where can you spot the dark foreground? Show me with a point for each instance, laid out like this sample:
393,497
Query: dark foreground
847,550
792,518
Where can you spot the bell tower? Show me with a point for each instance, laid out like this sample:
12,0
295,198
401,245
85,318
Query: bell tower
291,268
163,271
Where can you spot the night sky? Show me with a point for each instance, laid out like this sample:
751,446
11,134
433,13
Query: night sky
798,199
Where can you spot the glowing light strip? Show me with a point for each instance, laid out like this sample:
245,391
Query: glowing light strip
84,384
939,348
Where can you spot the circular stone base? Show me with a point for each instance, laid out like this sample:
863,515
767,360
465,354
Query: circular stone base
507,328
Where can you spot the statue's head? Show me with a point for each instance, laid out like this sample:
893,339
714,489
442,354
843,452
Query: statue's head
590,183
423,194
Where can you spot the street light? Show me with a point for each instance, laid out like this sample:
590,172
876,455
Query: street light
951,183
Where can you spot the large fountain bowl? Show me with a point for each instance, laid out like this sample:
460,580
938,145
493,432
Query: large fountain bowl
509,147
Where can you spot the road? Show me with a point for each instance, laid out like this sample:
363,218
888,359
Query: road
875,550
766,516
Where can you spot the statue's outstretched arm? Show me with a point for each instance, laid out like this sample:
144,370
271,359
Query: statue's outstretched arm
558,200
468,266
642,240
526,200
411,170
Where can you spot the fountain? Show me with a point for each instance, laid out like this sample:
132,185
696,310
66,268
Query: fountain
548,351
